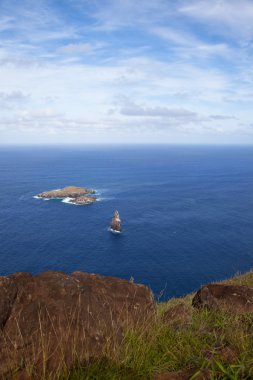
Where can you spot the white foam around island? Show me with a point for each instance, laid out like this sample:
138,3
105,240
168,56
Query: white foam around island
104,199
100,191
44,199
68,200
114,231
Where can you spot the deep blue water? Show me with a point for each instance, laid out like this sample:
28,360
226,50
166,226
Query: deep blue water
187,213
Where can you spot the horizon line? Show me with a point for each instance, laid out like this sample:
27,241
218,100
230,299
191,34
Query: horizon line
126,145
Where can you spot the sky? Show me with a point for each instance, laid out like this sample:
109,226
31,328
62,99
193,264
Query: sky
126,71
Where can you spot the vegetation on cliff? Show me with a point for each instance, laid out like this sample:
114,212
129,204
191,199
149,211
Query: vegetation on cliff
182,343
172,341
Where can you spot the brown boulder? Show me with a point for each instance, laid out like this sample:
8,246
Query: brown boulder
233,298
53,319
178,317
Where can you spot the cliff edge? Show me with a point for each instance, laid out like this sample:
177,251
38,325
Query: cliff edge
86,326
53,319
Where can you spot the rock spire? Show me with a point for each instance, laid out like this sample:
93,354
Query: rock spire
116,222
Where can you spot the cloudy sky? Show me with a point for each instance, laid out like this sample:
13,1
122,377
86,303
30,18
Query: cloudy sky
142,71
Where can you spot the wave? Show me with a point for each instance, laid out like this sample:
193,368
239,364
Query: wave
114,231
102,199
68,200
101,191
44,199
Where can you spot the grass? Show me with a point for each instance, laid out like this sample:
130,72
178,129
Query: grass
205,343
161,348
216,342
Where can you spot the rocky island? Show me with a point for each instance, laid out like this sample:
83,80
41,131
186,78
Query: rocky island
74,194
83,200
116,223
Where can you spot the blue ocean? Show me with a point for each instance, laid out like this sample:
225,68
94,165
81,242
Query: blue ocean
187,213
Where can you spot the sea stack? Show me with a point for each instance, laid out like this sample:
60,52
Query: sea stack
116,222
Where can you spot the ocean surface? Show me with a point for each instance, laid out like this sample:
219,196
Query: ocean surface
187,213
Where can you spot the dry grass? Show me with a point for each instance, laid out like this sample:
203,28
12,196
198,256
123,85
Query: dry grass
217,341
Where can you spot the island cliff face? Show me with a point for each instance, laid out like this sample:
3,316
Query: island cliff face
83,200
76,195
116,222
66,192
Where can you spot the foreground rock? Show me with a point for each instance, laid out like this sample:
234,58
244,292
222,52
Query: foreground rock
66,192
179,317
232,298
53,320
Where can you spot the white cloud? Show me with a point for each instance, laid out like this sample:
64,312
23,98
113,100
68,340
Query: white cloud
11,99
81,95
189,47
178,71
6,23
116,15
130,108
81,48
222,117
227,16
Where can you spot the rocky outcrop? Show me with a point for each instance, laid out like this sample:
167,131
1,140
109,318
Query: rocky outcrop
232,298
66,192
53,319
83,200
179,317
116,222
